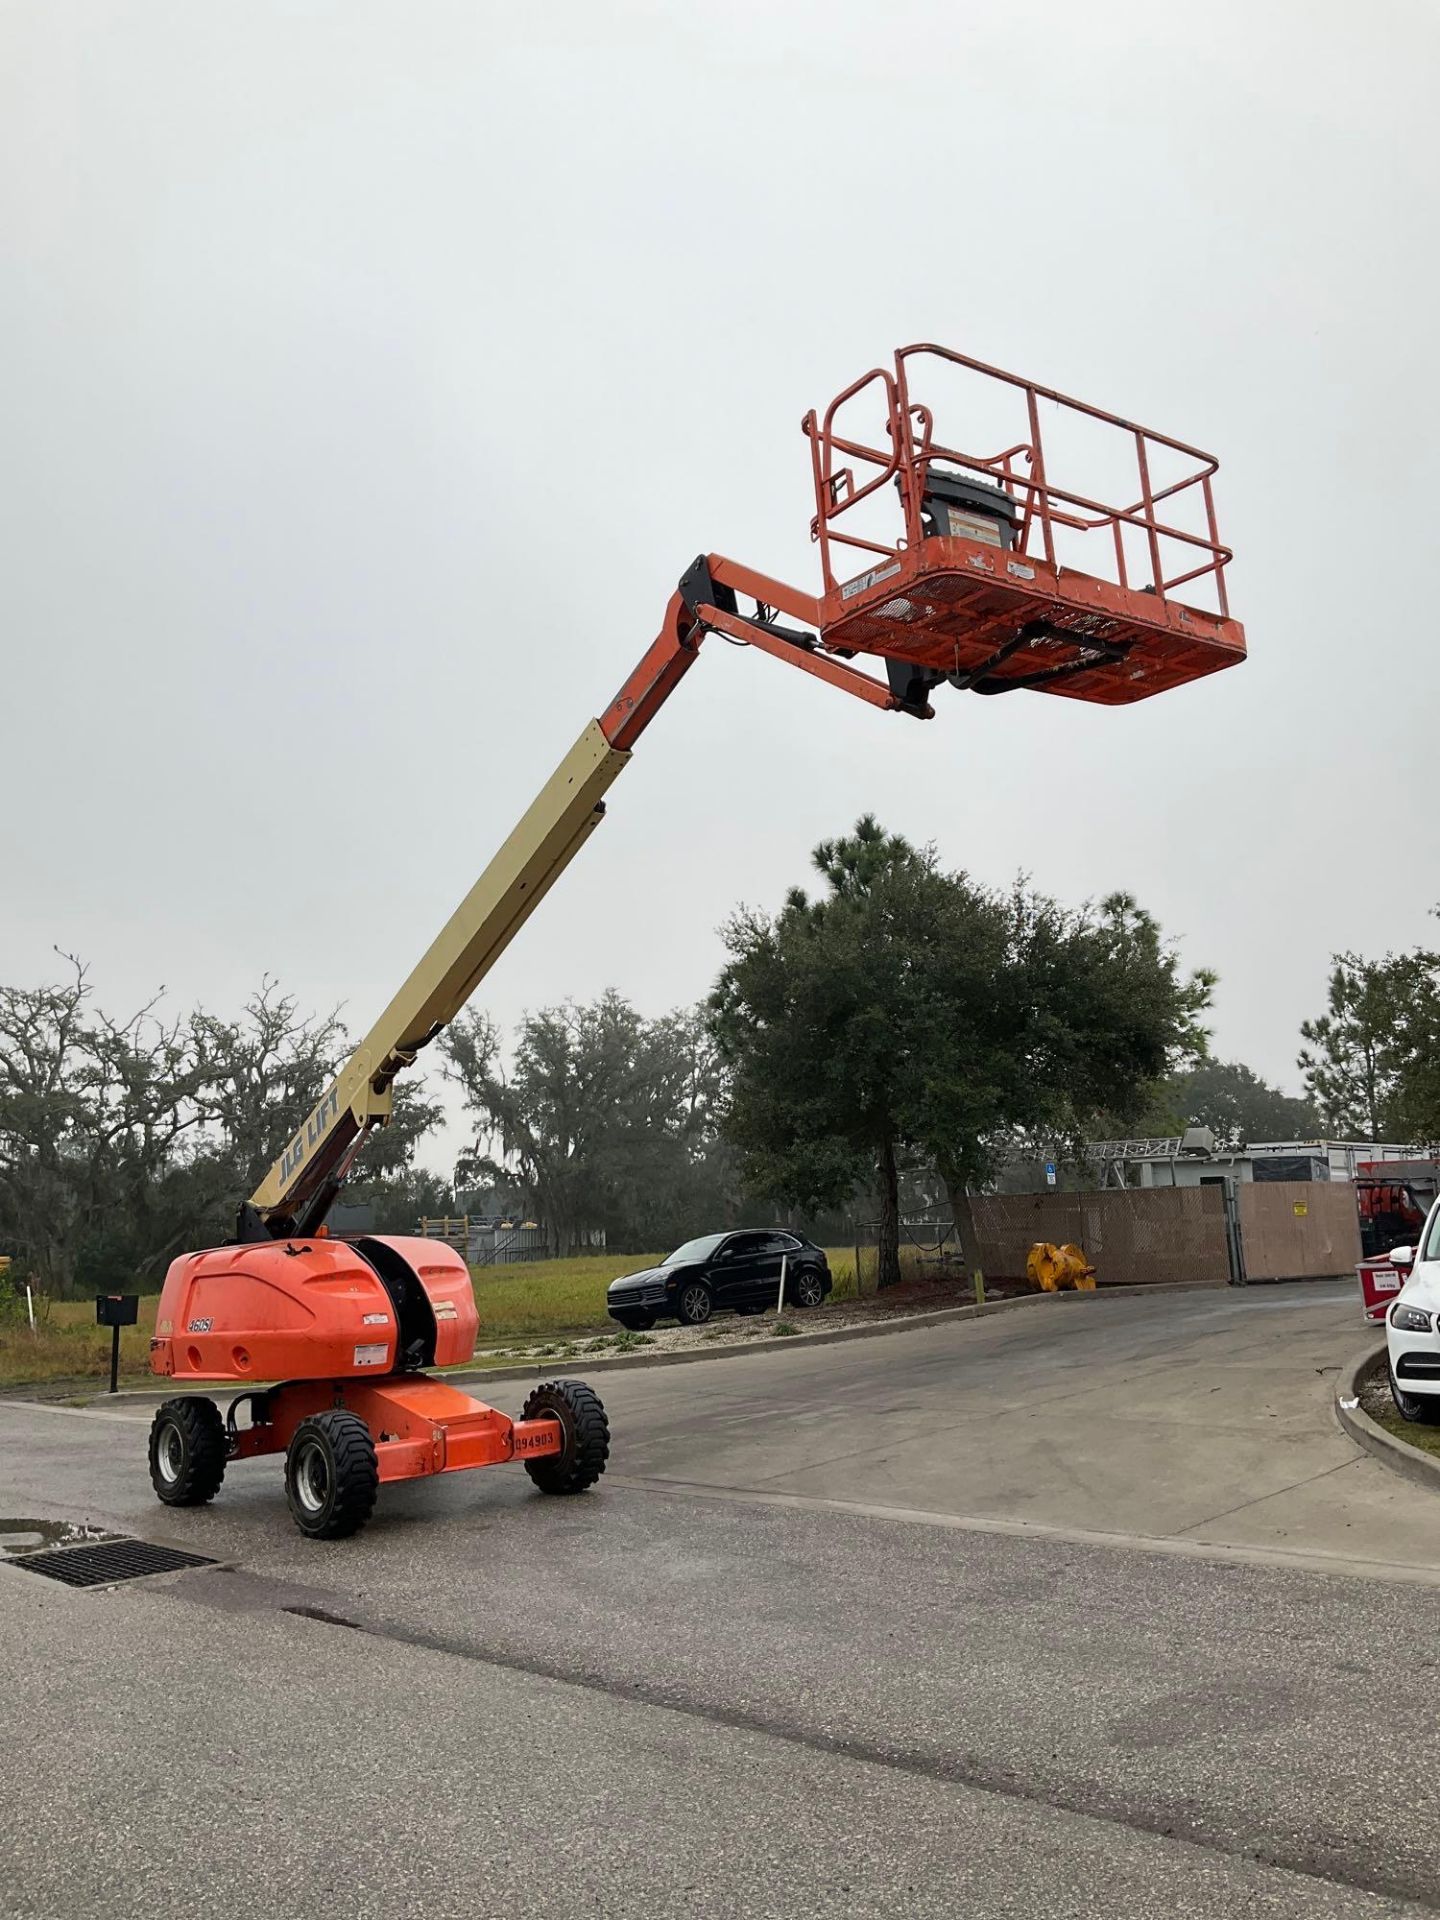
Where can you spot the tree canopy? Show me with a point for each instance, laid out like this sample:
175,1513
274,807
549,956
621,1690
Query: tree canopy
602,1120
1228,1097
905,1006
125,1141
1371,1063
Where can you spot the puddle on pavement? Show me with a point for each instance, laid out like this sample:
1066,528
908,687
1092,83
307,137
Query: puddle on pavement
33,1536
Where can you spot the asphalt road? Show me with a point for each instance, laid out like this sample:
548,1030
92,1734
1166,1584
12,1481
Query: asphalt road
1089,1609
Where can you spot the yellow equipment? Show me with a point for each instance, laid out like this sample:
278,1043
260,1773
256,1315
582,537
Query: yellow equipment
1059,1269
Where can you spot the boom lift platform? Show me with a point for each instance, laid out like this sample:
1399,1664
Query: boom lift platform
969,586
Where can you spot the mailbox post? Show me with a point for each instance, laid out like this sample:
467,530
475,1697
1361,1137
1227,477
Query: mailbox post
116,1310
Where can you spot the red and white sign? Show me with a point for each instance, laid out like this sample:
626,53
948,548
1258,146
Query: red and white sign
1379,1284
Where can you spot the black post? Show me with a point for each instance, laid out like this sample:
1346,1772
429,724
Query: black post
116,1310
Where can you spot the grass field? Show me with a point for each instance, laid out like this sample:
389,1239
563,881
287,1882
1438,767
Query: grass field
545,1299
67,1345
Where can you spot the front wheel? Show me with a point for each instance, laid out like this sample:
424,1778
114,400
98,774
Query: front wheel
188,1451
809,1288
1420,1409
581,1460
331,1475
694,1304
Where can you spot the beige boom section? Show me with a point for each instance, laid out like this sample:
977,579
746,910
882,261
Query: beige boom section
1298,1229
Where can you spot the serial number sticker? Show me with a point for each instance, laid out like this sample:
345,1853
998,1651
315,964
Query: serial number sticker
542,1442
376,1320
371,1356
200,1326
446,1310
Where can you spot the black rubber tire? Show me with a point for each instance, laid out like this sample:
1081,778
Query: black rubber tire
635,1322
694,1303
1420,1409
587,1436
331,1475
806,1290
188,1451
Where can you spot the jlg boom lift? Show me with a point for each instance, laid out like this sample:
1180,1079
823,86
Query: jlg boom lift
969,588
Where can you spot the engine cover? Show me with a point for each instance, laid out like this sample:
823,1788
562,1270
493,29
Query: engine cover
316,1309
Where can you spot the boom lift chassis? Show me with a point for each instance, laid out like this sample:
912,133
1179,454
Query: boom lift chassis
973,593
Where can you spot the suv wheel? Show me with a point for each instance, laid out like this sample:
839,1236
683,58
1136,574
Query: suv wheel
694,1303
809,1288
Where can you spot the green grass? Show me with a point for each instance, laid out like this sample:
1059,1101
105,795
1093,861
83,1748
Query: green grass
545,1298
1423,1439
67,1345
560,1303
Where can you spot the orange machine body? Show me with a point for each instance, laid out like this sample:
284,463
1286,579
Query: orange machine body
314,1309
341,1324
419,1425
956,606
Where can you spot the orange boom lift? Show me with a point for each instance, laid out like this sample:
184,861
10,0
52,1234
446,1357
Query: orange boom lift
976,583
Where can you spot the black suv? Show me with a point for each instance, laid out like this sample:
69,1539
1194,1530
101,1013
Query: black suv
739,1270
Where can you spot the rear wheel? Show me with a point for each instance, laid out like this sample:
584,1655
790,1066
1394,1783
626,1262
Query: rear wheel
694,1304
331,1475
581,1460
636,1322
1420,1409
187,1451
808,1289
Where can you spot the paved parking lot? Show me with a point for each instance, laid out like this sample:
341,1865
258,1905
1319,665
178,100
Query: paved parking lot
1080,1609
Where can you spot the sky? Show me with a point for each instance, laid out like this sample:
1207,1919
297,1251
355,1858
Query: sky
369,372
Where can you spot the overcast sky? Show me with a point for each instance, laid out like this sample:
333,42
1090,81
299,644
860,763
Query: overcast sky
370,371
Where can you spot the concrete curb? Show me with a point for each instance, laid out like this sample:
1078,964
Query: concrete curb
1398,1455
610,1363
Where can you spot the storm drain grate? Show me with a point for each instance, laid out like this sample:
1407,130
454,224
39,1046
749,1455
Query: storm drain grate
115,1560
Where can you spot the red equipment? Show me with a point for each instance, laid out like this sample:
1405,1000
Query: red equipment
974,588
1380,1280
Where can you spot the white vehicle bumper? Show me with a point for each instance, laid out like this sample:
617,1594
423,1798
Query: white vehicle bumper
1414,1356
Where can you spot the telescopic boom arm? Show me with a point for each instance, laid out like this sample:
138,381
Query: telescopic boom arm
298,1191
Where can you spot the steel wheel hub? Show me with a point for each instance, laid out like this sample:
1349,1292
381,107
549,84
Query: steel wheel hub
170,1454
312,1478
